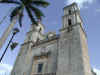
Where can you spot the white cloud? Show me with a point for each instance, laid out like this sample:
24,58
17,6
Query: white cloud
5,69
97,71
79,2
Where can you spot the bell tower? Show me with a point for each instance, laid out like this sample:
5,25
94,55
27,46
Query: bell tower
73,56
71,15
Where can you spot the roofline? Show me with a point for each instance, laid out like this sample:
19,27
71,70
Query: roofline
67,6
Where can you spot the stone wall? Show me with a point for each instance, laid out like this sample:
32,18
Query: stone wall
25,60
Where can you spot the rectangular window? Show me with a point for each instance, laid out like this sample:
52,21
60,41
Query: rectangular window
69,12
69,22
40,66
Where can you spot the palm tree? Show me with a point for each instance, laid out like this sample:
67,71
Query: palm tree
32,9
15,31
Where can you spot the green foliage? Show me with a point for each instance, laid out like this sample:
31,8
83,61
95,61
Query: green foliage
30,6
9,1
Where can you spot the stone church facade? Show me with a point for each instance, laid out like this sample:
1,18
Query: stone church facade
52,54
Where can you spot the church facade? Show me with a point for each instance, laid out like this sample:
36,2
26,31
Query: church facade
52,54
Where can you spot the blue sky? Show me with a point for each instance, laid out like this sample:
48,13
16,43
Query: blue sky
90,13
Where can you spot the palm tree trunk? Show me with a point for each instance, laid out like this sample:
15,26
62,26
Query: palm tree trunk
6,48
6,33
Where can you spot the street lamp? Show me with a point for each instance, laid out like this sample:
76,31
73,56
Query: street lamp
15,31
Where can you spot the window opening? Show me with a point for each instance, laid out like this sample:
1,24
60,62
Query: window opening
69,25
69,12
40,67
69,22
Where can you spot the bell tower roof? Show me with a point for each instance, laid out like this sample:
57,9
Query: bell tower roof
68,6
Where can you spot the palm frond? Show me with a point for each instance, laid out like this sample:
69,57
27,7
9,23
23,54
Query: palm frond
20,18
24,2
15,12
9,1
31,16
41,3
37,12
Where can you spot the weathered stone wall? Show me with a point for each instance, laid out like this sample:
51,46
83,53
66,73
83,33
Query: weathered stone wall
84,46
25,59
73,56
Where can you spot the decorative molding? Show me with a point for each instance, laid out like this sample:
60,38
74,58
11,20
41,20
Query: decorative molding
42,41
66,28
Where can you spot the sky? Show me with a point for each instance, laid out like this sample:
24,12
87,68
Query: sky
90,13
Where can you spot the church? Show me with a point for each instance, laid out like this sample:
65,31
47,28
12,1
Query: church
53,54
